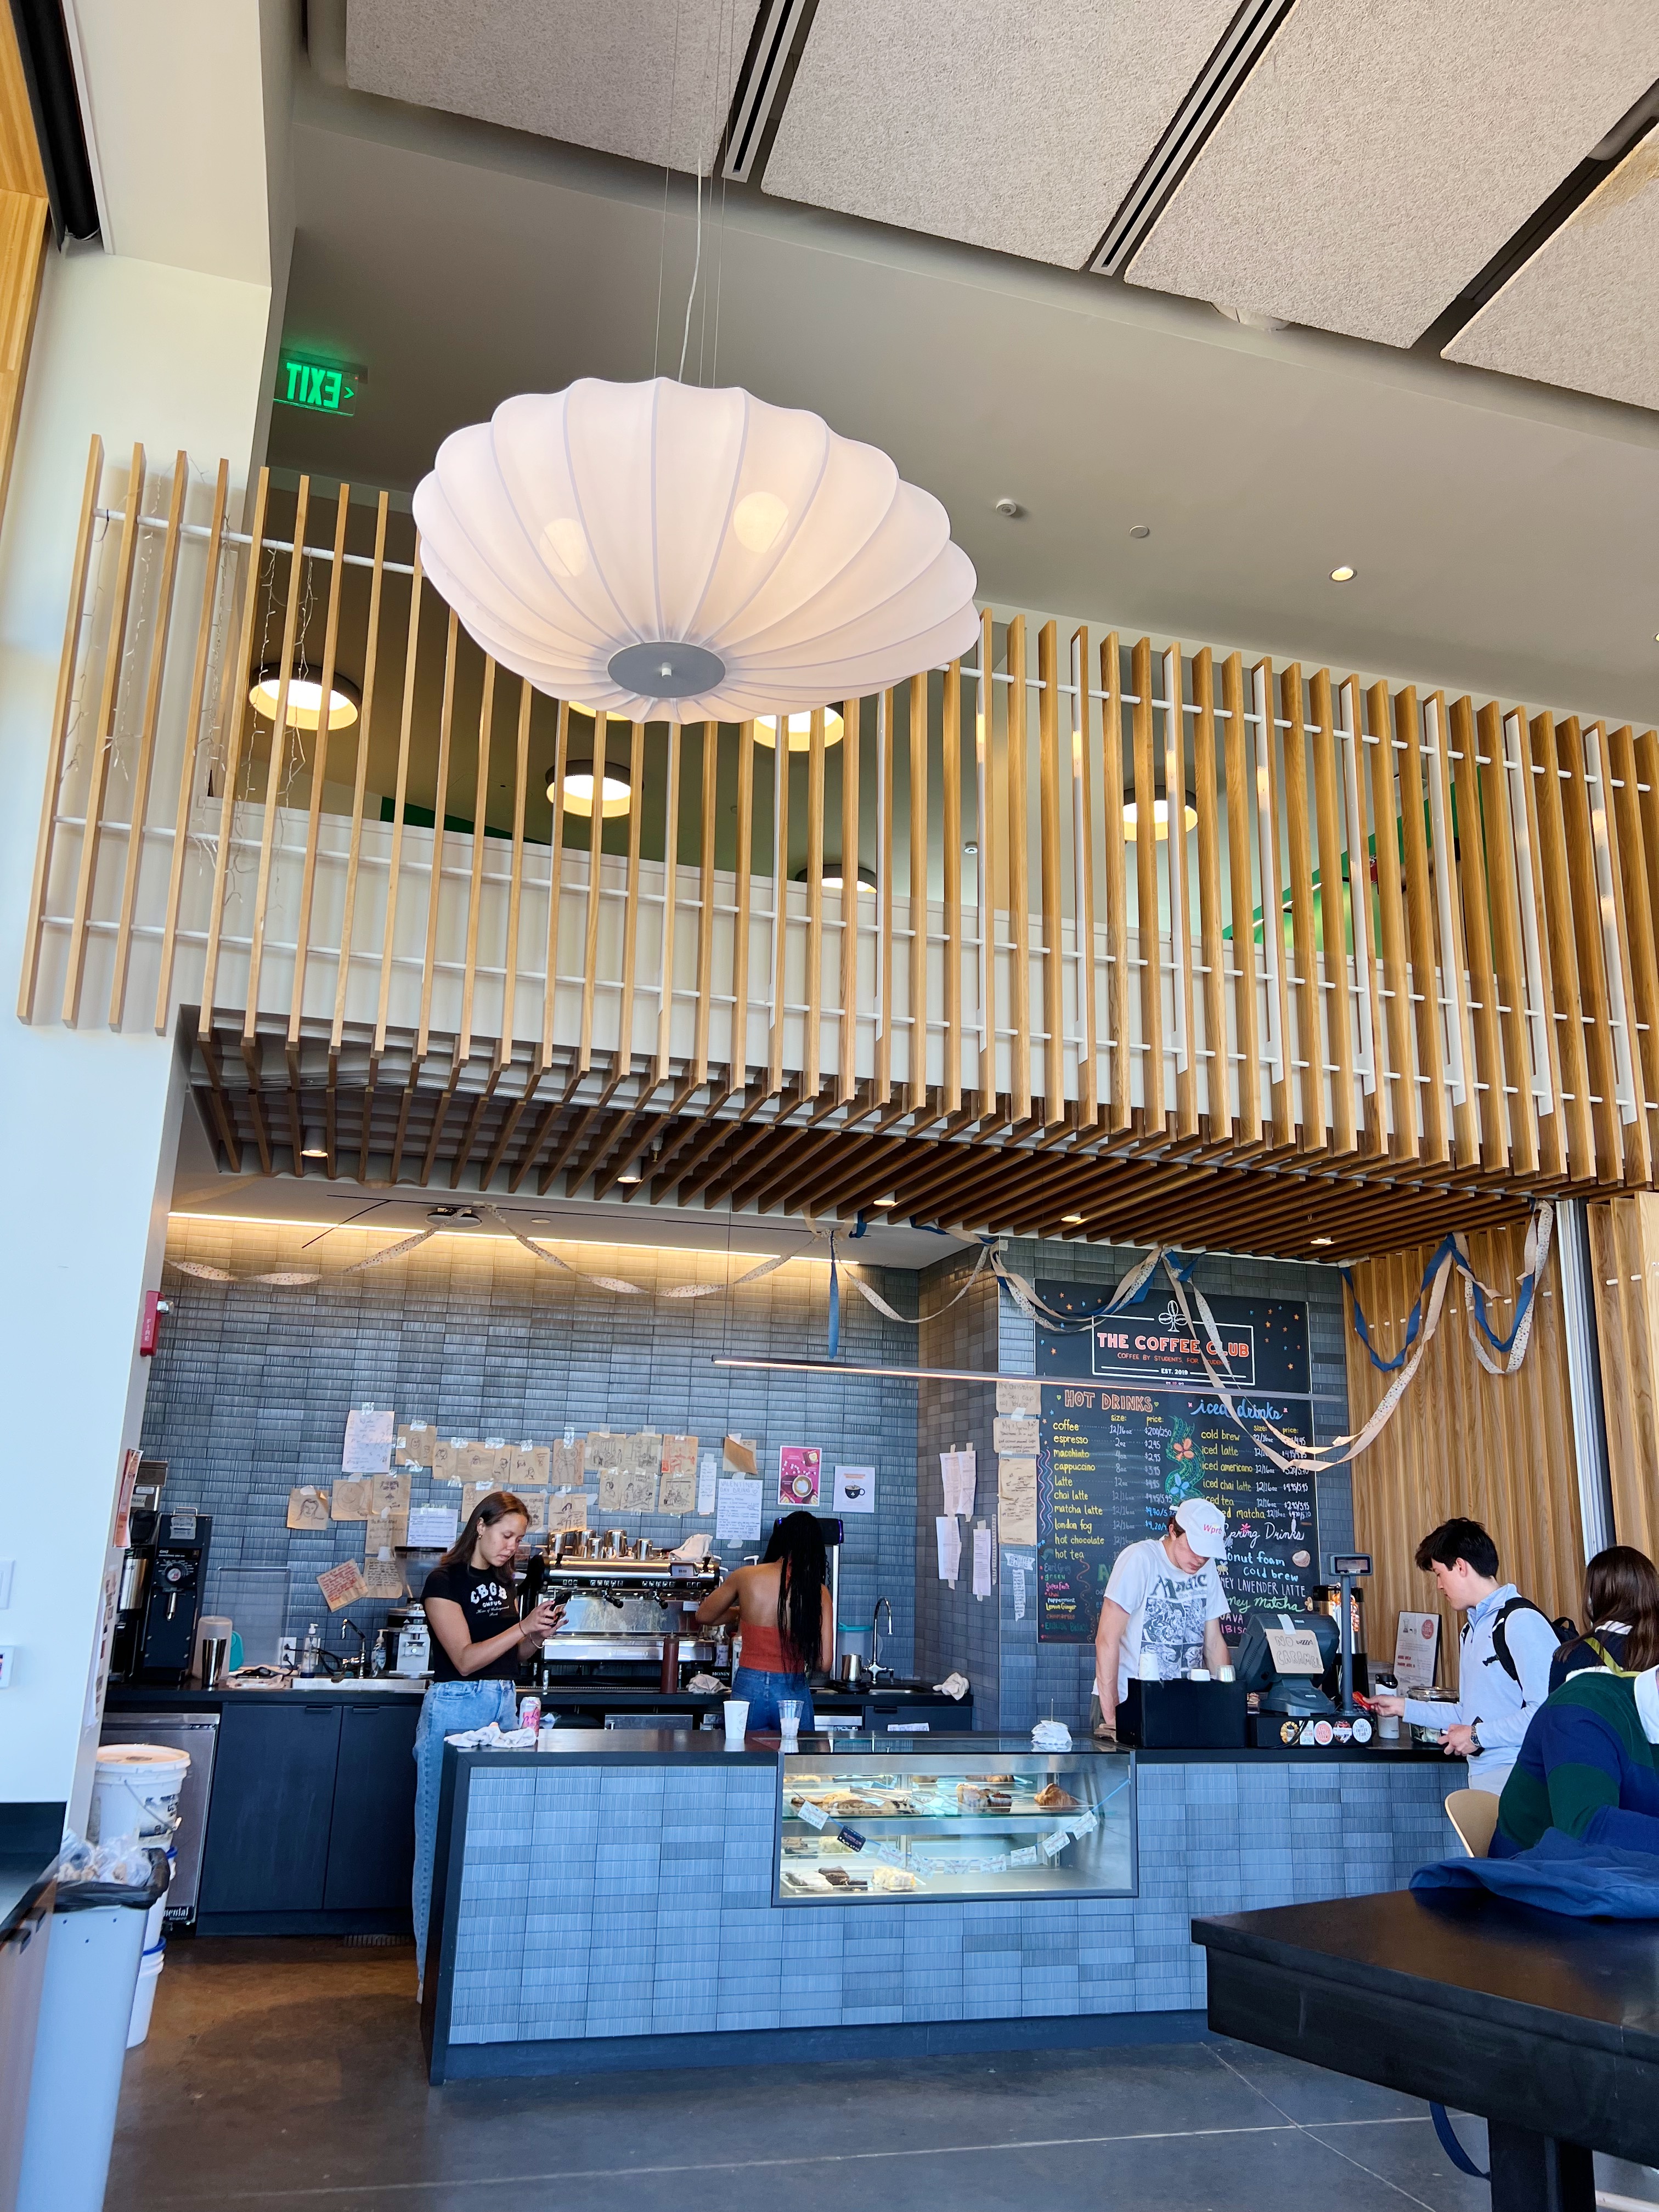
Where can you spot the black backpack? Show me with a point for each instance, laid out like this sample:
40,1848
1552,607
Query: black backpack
1500,1642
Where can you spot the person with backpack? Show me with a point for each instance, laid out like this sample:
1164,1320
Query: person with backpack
1504,1657
1621,1609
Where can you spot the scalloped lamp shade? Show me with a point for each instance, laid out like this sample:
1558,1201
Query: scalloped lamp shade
667,553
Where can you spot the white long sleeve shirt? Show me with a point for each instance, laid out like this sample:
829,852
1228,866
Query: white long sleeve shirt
1488,1697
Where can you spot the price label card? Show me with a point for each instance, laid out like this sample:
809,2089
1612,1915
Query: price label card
851,1838
814,1815
1028,1857
1085,1827
1056,1843
1295,1650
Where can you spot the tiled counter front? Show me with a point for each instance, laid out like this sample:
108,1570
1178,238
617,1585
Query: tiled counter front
614,1909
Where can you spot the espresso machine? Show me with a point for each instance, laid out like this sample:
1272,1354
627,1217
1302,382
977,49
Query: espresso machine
626,1610
161,1598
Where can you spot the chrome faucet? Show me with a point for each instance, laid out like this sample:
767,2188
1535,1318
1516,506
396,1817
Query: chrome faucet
876,1667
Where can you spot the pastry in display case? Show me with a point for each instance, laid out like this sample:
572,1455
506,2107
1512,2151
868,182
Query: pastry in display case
974,1818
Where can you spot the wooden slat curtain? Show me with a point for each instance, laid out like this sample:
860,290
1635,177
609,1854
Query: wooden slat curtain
1464,1442
1624,1234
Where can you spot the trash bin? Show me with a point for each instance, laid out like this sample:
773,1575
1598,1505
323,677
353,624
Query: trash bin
86,2007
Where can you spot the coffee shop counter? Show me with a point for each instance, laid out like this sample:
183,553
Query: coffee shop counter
642,1898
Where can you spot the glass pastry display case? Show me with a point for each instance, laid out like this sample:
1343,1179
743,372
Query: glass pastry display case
961,1817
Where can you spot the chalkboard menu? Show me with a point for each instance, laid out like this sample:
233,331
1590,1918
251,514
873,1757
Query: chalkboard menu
1118,1455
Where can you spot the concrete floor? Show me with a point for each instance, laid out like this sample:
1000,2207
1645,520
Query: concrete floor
287,2077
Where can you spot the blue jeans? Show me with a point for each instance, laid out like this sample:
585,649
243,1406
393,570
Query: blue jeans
762,1690
448,1709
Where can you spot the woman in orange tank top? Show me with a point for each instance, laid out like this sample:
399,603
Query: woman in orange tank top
782,1606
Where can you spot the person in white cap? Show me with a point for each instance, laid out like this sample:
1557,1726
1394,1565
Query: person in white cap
1164,1602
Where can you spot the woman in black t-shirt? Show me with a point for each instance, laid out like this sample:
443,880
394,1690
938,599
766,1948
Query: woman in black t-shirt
477,1641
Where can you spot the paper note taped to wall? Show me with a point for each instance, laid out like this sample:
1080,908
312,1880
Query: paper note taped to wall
627,1490
432,1528
417,1442
1017,1434
1017,1499
740,1456
343,1585
1020,1397
384,1577
677,1492
738,1512
368,1438
307,1509
982,1562
387,1494
856,1490
565,1468
948,1534
708,1475
566,1510
350,1498
679,1456
531,1467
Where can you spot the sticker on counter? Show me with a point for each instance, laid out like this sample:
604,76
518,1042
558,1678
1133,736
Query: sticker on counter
851,1838
814,1815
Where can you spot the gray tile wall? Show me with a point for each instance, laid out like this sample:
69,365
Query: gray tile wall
251,1383
661,1877
987,1331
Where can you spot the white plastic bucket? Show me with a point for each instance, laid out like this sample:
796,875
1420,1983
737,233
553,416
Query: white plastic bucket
143,1995
137,1790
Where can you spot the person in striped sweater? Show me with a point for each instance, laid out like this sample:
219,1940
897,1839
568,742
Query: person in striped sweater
1588,1766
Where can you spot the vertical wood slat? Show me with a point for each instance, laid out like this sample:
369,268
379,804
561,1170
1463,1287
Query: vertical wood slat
1148,930
631,907
950,759
1390,899
1054,974
275,766
1646,754
1624,1234
192,743
1610,872
745,883
1546,1042
989,827
1019,891
1485,1035
515,884
1310,1036
319,768
1635,890
360,780
103,737
1218,1089
670,894
1344,1130
852,900
595,867
1598,982
780,797
1084,780
234,712
555,893
62,706
1368,1003
1569,985
1454,952
1241,815
1516,1105
884,1082
440,809
916,1089
709,763
811,1042
1181,904
138,806
475,882
1273,903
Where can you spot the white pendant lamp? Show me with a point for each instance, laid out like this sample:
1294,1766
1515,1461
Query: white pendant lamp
669,553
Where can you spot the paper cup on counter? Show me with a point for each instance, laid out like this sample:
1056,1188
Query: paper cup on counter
1388,1728
737,1720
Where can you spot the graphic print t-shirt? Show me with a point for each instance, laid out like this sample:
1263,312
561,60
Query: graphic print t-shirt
1167,1611
485,1596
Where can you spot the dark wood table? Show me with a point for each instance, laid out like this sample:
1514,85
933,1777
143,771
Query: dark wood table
1547,2025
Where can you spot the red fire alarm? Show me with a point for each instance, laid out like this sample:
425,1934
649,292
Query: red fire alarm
150,1328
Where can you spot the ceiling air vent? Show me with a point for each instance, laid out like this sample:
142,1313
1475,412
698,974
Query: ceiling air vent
1245,40
768,72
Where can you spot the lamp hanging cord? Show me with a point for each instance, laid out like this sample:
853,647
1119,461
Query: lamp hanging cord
696,271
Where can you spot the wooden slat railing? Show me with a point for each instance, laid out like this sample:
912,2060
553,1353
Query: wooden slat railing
1397,929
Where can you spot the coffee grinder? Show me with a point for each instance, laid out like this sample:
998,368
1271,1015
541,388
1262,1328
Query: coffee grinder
161,1598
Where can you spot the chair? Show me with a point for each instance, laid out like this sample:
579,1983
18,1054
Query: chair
1474,1814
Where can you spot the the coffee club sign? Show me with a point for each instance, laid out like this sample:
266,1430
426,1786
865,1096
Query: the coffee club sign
1266,1342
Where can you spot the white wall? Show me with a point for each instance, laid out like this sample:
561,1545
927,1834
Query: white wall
88,1121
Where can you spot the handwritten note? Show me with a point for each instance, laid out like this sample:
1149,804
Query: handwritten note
307,1509
709,1470
982,1563
677,1492
1020,1397
949,1537
368,1438
1017,1500
384,1577
350,1499
627,1490
417,1442
343,1585
432,1528
1018,1434
737,1511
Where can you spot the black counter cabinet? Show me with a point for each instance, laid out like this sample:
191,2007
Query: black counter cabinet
311,1825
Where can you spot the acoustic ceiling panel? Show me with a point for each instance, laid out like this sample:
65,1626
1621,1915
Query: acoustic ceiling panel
1380,154
1583,312
637,77
1017,124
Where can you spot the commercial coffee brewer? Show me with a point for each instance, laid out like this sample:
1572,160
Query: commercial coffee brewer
161,1598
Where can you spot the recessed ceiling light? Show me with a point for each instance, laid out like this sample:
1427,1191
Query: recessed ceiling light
1321,1240
884,1201
313,1152
303,708
628,1175
1342,576
1008,508
1072,1220
1140,530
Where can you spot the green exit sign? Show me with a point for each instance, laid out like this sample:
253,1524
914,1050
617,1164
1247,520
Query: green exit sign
326,387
